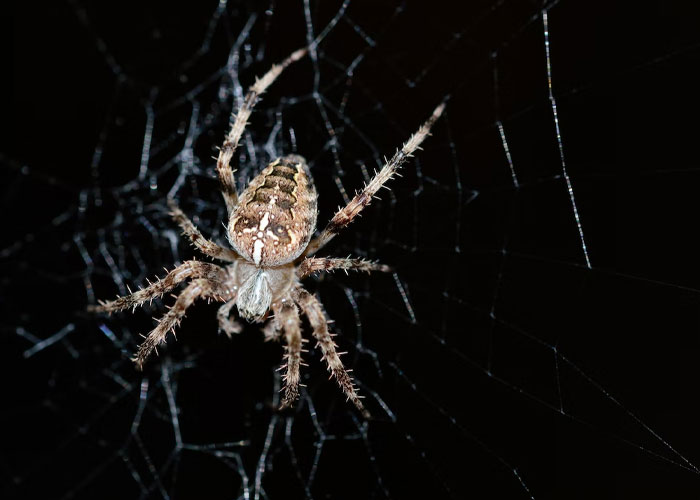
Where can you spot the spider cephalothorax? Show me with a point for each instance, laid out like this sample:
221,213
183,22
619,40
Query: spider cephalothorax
270,229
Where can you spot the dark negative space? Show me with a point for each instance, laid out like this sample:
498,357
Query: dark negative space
497,363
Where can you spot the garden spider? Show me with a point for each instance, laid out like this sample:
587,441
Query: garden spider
270,229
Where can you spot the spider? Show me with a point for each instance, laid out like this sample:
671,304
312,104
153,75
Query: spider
269,228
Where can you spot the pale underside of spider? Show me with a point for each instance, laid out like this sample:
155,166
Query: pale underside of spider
269,228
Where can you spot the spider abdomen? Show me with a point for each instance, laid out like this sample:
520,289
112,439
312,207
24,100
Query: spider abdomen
276,214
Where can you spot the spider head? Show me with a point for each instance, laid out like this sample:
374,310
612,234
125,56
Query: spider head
254,296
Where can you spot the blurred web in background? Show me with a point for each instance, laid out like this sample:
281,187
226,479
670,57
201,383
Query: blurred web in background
452,352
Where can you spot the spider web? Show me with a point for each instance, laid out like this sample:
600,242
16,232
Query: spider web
537,340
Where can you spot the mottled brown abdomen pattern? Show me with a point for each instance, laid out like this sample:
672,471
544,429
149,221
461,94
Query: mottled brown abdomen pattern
276,214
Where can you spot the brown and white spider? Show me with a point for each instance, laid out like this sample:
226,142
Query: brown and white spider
270,229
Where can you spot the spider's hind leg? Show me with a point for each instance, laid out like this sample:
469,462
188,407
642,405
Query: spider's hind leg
223,163
347,214
200,288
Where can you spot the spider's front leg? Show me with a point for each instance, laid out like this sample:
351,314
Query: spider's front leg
188,269
200,288
316,264
287,320
345,215
313,310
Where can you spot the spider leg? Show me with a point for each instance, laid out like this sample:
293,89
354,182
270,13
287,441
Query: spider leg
345,215
223,163
198,288
188,269
315,264
226,324
313,310
207,247
287,318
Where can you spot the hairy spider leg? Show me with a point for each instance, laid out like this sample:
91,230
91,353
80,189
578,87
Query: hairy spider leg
223,163
200,288
188,269
325,264
345,215
317,319
190,231
288,320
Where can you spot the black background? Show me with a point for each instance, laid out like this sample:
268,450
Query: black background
486,401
